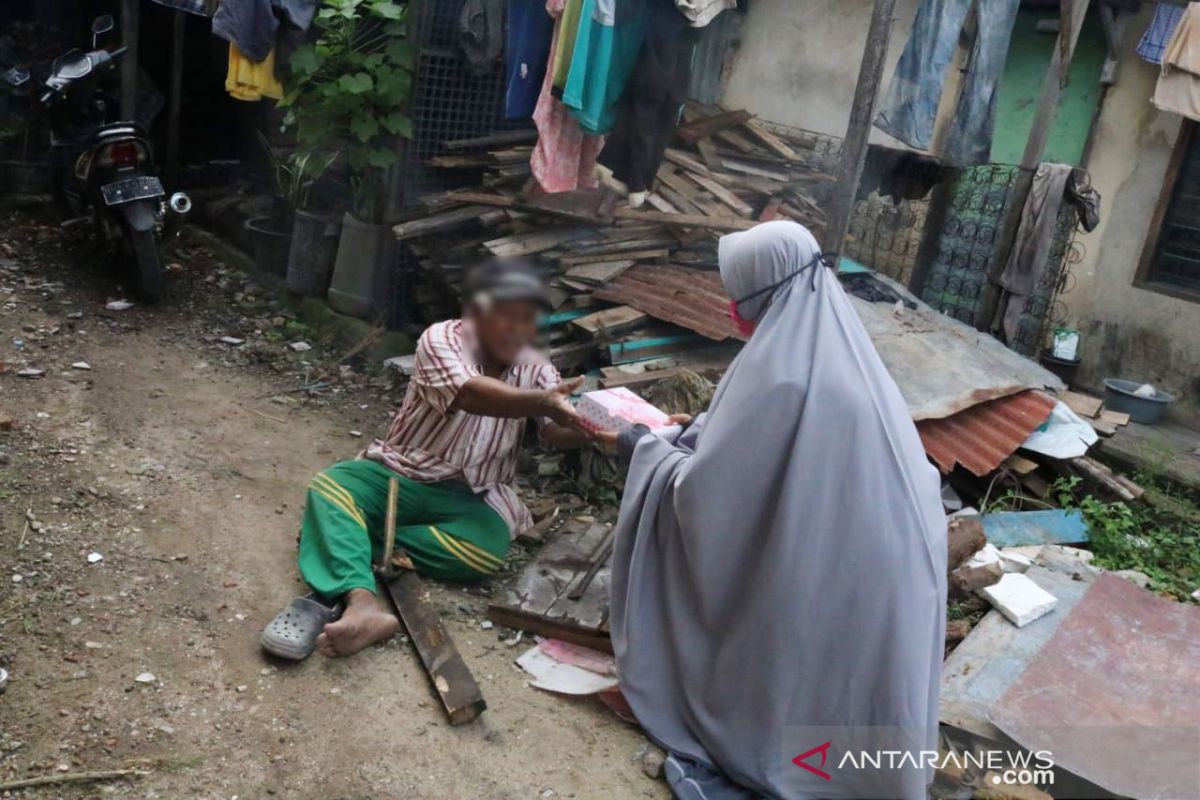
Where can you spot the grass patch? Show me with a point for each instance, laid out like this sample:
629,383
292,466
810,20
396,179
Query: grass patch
1160,538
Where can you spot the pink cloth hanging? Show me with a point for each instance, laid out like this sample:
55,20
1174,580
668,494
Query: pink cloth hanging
564,158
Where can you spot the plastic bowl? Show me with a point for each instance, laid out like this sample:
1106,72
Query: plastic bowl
1119,396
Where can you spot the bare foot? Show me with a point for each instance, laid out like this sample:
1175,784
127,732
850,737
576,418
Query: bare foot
365,621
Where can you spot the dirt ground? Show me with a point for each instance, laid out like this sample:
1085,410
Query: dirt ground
181,460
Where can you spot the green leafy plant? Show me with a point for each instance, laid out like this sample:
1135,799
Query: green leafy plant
294,173
348,91
1161,540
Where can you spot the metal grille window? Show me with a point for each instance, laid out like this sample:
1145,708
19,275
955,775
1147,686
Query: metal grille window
1171,260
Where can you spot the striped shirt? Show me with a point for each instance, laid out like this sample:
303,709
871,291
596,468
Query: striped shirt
429,441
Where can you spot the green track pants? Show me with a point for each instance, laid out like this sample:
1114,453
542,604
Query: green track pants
447,530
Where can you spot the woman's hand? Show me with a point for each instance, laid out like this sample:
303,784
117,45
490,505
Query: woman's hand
680,419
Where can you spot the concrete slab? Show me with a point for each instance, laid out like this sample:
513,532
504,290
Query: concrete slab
1171,451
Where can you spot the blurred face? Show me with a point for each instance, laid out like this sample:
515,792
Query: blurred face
505,328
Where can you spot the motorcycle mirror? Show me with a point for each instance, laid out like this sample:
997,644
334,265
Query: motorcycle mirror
103,24
16,76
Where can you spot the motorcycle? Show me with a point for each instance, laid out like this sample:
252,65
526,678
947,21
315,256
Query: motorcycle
111,179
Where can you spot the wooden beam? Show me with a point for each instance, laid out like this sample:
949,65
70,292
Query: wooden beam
690,220
862,111
452,681
1035,146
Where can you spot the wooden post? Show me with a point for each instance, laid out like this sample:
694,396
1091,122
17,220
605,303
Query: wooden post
1035,147
854,147
129,63
176,99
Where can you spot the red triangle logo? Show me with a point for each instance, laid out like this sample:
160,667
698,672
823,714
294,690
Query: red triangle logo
823,749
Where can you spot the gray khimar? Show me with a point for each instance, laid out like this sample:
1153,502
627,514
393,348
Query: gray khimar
780,568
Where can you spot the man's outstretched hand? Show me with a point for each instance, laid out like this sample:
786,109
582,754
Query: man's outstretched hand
556,404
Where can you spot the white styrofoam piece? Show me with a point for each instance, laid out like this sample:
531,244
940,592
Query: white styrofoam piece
1012,561
1019,599
988,554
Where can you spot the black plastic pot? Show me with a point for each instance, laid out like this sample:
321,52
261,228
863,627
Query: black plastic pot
1061,367
269,245
313,253
26,177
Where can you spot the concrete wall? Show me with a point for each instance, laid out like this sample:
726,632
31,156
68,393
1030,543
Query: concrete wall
798,60
1132,332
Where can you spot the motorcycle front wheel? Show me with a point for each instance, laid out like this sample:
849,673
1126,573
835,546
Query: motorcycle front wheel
145,265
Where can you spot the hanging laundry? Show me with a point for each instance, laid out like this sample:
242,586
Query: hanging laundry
1034,239
649,109
251,80
1154,40
910,107
606,47
481,34
253,25
1178,88
564,158
701,12
530,30
564,48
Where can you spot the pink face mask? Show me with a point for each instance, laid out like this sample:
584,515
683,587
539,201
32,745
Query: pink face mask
744,327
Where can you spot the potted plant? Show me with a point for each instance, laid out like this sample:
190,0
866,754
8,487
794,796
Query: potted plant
347,91
271,235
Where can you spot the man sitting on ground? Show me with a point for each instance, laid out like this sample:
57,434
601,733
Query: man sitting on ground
453,448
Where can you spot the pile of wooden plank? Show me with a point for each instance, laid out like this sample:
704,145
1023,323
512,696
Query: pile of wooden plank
726,171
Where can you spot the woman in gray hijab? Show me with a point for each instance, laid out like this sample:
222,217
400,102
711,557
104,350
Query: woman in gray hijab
778,586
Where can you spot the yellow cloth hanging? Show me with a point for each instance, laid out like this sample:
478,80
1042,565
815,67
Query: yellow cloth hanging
249,80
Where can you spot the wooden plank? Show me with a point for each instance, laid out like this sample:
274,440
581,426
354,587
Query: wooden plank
718,191
768,138
708,151
687,189
1084,405
1117,418
660,203
702,127
684,160
443,221
632,351
716,223
611,254
611,321
737,165
452,681
1118,485
1015,528
536,601
499,138
535,241
638,379
1020,465
599,272
771,209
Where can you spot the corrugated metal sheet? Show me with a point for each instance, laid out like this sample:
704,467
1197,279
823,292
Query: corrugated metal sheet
942,366
1114,694
981,437
692,298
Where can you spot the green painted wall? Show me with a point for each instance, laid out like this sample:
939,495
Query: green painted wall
1028,59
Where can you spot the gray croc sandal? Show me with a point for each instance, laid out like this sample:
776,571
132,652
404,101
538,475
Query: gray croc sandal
294,631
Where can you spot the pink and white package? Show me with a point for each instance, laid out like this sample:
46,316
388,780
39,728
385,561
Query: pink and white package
618,410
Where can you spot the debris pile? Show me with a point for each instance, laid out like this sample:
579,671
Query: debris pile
629,285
